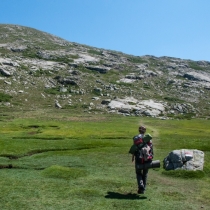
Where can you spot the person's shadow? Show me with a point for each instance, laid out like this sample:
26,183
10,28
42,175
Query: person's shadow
130,196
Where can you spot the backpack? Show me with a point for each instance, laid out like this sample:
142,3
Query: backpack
142,148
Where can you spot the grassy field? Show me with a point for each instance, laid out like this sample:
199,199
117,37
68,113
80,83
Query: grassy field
58,160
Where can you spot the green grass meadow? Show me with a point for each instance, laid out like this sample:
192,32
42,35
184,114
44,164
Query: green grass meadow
58,160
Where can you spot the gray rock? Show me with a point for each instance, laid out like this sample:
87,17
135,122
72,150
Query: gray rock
185,159
124,111
63,90
152,113
18,48
130,76
140,77
74,65
197,76
8,83
75,72
57,105
150,73
106,101
5,72
44,55
203,63
67,81
95,98
171,66
97,90
100,69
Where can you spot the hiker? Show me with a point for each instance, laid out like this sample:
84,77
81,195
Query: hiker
142,156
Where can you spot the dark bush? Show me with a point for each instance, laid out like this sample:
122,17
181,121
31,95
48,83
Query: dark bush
5,97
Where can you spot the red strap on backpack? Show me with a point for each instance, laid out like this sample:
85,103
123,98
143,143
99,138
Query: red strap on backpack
138,141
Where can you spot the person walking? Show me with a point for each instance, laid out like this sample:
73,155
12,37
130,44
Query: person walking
143,156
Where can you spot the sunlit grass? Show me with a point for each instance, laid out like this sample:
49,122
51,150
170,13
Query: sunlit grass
61,172
185,174
81,162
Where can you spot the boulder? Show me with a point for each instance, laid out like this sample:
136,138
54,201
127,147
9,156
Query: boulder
18,48
8,62
152,112
57,105
100,69
197,76
130,76
5,72
125,80
106,101
67,80
97,89
185,159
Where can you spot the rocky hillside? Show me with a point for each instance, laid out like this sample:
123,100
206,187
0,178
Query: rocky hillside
42,71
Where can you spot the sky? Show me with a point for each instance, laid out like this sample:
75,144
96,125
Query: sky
174,28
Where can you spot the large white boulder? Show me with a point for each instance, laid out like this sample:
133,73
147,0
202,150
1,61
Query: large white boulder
186,159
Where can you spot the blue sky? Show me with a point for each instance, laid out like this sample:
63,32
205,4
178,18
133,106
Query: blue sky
178,28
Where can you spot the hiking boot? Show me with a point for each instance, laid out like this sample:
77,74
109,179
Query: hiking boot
140,191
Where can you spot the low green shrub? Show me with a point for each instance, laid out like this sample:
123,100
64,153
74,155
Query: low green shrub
195,66
95,52
186,116
96,92
5,97
63,59
54,91
136,59
172,99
